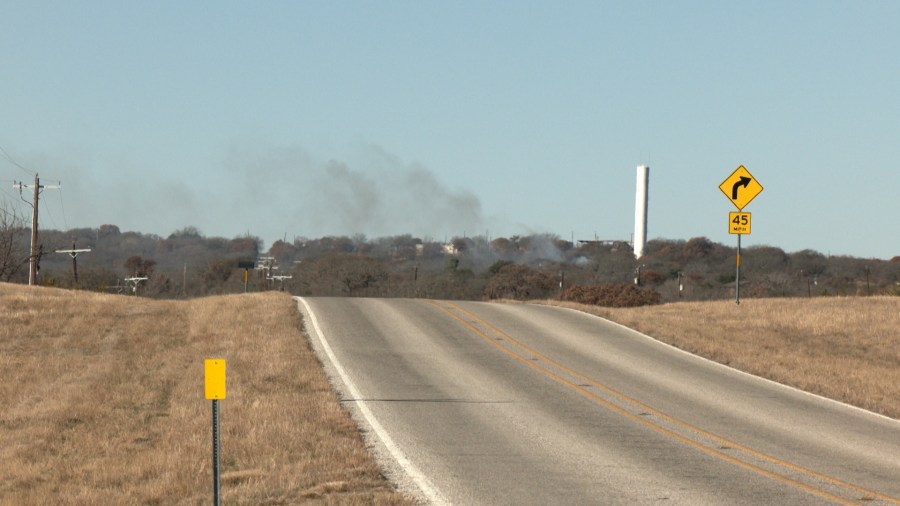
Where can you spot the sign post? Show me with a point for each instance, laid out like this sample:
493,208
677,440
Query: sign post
214,369
740,188
246,265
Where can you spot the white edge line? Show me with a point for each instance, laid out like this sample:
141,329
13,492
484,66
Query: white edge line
424,484
745,373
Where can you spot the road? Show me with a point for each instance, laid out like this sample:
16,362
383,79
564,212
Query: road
476,403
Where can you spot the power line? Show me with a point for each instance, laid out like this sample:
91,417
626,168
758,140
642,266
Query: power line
47,208
10,160
62,207
8,193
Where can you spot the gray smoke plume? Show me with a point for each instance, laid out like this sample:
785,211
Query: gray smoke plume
375,195
268,193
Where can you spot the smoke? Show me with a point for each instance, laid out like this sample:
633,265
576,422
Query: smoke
375,194
268,193
542,247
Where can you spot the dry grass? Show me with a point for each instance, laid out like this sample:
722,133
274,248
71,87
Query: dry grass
102,403
846,349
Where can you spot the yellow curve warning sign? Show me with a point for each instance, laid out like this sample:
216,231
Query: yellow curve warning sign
740,187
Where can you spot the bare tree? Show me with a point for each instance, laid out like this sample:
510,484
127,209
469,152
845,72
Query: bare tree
11,250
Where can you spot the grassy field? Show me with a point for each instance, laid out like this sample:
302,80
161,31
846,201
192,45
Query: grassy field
844,348
103,403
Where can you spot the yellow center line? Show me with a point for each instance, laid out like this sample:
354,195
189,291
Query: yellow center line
725,442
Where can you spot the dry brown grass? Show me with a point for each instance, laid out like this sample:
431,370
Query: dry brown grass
846,349
103,403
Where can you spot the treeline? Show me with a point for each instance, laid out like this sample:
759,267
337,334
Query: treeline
188,264
543,266
184,264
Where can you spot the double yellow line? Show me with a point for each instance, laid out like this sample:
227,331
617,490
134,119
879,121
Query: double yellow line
544,365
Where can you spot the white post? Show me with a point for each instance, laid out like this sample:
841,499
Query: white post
640,210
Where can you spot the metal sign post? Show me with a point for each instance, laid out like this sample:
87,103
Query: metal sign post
737,276
246,265
740,188
216,446
214,369
738,224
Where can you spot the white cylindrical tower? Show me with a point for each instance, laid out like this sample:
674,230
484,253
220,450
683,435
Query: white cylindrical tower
640,210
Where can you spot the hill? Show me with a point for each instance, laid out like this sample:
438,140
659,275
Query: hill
103,403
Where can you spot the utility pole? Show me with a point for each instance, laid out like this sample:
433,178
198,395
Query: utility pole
266,264
280,278
33,258
74,254
135,281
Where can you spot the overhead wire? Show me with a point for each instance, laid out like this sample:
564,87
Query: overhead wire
62,207
5,155
5,186
12,161
47,210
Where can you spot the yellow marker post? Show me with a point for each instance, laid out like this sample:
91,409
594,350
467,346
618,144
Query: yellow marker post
214,372
214,369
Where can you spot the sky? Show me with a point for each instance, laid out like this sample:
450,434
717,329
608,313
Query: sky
442,119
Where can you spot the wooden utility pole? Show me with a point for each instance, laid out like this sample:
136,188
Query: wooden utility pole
135,281
280,278
32,265
33,258
74,254
266,264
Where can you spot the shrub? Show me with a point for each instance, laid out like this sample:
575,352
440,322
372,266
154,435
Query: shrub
520,282
611,295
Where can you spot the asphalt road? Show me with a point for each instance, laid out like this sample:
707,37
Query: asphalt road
474,403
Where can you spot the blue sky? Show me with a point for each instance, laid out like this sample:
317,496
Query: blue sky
441,119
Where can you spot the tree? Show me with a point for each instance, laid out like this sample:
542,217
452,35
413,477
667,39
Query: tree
108,231
348,272
138,267
462,244
217,275
809,262
698,248
283,252
12,250
186,233
504,248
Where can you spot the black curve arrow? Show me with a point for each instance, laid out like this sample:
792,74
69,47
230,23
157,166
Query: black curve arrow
744,181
